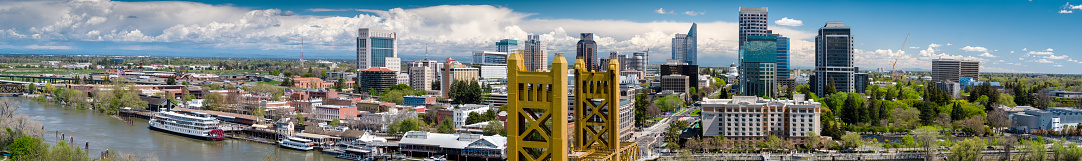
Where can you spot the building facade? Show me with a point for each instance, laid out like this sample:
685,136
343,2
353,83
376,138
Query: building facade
750,118
752,23
377,78
374,46
944,70
685,46
506,45
331,112
834,58
587,50
638,62
422,74
758,66
675,83
535,55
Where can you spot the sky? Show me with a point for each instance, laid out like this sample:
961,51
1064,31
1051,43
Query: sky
1006,36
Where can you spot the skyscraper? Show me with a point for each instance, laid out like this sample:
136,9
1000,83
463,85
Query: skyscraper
684,47
534,53
758,66
375,46
587,49
752,23
834,58
782,62
506,45
422,73
638,62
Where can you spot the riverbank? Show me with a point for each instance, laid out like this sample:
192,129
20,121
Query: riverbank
102,132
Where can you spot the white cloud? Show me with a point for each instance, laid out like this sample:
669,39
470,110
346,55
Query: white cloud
1049,49
1012,52
949,44
934,45
1065,11
452,30
1057,65
1056,57
988,55
1023,49
693,13
328,10
975,49
786,21
1039,53
914,47
662,11
1043,61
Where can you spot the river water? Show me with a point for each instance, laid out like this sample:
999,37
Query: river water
105,132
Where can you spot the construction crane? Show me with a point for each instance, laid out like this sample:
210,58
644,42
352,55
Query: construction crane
894,64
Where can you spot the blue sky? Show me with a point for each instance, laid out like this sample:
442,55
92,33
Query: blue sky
1006,36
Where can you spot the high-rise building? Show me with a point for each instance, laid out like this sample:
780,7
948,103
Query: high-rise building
685,48
587,50
638,62
834,58
758,66
456,71
782,58
376,78
493,64
422,73
691,71
536,59
506,45
375,47
951,70
752,23
623,59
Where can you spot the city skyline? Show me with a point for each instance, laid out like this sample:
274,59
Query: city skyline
455,29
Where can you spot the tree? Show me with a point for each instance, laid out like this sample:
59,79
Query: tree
171,80
340,84
641,105
300,118
852,140
1035,150
669,103
26,148
494,128
213,101
287,82
966,150
653,111
30,88
957,113
850,111
812,141
446,127
465,92
927,138
336,122
830,88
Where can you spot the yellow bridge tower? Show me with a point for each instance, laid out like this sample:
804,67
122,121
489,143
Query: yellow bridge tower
537,106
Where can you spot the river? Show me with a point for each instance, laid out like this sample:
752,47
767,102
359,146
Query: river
105,132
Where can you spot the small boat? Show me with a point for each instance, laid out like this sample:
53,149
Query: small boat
297,144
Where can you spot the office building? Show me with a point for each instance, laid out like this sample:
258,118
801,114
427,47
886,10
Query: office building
536,58
685,46
587,50
834,58
456,71
758,66
861,82
691,71
331,112
676,83
782,63
944,70
422,73
638,62
377,78
375,47
622,59
493,65
752,23
506,45
747,119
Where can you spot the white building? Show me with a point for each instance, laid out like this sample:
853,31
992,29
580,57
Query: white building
462,112
377,48
750,118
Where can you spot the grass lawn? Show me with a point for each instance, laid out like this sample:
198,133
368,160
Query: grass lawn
655,119
58,71
272,83
696,112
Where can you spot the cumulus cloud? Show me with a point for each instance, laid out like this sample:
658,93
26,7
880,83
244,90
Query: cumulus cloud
328,10
1043,61
988,55
1056,57
662,11
786,21
949,44
975,49
693,13
1049,49
1067,8
1039,53
48,47
1057,65
1065,11
452,30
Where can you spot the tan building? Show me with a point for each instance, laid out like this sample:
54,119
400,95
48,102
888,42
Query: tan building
456,71
750,118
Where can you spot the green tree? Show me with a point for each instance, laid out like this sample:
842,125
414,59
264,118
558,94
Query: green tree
446,127
30,88
957,113
927,137
26,148
852,140
641,105
300,118
338,86
171,80
830,88
812,141
494,128
336,122
967,150
669,103
465,92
